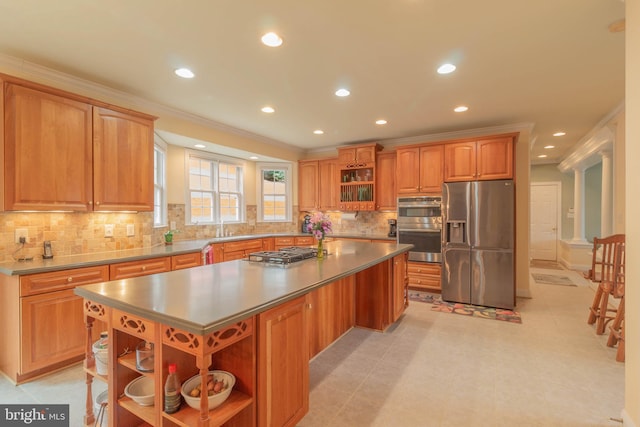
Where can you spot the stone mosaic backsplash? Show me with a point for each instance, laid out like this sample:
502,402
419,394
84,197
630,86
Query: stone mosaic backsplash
81,233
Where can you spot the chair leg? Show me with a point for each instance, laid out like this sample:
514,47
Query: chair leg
620,352
615,326
595,306
602,313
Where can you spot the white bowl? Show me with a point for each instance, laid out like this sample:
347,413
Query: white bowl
215,400
141,390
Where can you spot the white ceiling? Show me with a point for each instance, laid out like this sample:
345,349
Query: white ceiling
552,63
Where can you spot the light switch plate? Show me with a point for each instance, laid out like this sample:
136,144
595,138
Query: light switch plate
108,230
131,231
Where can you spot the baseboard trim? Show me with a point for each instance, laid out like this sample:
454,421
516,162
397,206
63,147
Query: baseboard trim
626,419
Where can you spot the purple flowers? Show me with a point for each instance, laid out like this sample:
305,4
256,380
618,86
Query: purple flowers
319,225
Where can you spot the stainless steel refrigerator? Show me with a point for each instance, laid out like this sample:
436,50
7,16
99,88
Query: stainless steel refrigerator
477,243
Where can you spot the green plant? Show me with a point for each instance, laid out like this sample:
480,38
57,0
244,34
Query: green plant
168,235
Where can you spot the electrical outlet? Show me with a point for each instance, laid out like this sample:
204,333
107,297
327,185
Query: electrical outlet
108,230
172,225
21,232
130,230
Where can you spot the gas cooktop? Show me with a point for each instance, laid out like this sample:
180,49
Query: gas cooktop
284,256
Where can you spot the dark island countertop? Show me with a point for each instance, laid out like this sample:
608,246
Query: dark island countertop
204,299
179,247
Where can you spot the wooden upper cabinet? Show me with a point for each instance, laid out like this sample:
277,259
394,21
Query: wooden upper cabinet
460,161
419,170
431,168
495,158
308,185
328,184
123,161
48,151
484,159
386,195
360,154
67,152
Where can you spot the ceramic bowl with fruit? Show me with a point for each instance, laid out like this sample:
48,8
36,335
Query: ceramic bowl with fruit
218,388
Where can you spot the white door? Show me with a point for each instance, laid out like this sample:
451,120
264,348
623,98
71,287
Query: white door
544,220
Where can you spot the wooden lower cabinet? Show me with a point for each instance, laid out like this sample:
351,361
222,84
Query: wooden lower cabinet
283,364
424,276
400,295
42,321
125,270
381,294
179,262
52,329
331,313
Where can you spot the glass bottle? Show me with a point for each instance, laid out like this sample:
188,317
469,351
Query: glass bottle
172,398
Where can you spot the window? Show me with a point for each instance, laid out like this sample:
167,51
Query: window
215,190
159,185
274,187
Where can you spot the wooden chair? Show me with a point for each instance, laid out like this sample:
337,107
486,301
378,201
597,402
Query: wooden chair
603,271
616,329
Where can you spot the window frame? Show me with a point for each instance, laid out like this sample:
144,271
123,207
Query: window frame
160,146
260,168
215,161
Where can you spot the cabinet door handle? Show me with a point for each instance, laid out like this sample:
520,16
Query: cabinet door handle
144,267
69,279
90,202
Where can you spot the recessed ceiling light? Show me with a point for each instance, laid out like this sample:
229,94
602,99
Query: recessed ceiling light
268,109
381,122
342,92
318,132
253,157
460,109
542,156
271,39
549,146
199,146
446,68
559,134
185,73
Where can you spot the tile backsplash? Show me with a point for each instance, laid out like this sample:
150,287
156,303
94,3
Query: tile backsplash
81,233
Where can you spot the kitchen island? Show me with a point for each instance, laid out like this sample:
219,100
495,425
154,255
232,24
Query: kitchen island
262,323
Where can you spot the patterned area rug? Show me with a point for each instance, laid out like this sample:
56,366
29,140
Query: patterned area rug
540,263
551,279
465,309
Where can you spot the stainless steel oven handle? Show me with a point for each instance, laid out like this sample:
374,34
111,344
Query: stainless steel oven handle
422,230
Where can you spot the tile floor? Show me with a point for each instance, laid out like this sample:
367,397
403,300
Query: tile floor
439,369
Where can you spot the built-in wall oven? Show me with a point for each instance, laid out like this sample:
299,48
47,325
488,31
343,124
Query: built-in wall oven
420,224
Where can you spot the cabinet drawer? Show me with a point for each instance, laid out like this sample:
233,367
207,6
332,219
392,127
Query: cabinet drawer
423,269
246,245
33,284
179,262
306,240
284,241
125,270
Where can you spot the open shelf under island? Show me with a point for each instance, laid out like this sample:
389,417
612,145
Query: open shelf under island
262,323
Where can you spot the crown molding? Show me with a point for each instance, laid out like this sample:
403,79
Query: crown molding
588,150
44,75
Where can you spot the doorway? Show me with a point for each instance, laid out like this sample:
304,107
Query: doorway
545,220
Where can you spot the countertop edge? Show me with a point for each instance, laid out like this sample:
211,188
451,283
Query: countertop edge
204,329
179,247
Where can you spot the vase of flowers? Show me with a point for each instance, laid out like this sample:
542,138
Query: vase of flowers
319,226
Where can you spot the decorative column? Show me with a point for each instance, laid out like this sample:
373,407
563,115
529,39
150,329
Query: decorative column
578,206
606,198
